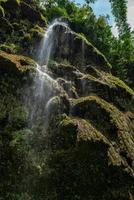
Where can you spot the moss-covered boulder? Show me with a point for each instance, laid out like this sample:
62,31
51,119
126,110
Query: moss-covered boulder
14,73
15,62
22,25
116,126
109,87
77,50
85,164
92,146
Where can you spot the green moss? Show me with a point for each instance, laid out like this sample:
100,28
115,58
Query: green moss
18,1
10,48
37,31
2,11
110,80
21,136
66,121
27,36
7,100
99,111
62,70
18,116
25,18
3,1
82,100
85,132
2,110
114,113
21,63
43,19
114,125
110,88
94,50
116,82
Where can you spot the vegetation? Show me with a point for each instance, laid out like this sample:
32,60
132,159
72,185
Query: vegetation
68,136
118,50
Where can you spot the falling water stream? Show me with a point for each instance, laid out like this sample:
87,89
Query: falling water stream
42,96
47,43
44,87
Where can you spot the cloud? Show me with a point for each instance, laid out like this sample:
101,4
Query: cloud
130,17
131,13
130,2
115,30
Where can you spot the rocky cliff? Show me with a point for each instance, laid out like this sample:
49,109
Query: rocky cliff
74,138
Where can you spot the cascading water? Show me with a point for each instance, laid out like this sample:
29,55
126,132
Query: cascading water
83,53
44,87
47,43
45,102
55,45
42,98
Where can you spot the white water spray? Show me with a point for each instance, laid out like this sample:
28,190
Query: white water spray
44,54
47,43
44,87
83,52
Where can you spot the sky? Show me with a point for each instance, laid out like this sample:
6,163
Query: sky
103,7
131,13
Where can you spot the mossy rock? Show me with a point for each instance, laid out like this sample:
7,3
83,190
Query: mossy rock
113,124
10,6
91,104
16,62
2,112
22,138
62,70
37,31
18,116
70,46
87,153
25,23
23,10
2,12
30,13
9,48
110,88
67,76
92,54
68,87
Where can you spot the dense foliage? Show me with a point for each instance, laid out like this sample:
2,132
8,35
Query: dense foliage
119,51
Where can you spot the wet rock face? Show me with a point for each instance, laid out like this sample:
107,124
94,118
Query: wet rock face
80,141
76,49
93,145
22,26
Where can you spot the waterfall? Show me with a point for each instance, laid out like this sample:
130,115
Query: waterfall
44,87
42,97
83,53
47,43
